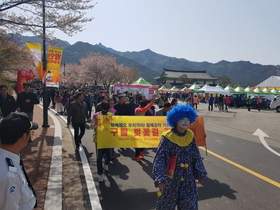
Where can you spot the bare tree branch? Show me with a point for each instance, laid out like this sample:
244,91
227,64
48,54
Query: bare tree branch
26,15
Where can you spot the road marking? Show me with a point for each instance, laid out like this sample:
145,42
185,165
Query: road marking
92,192
277,184
54,191
261,135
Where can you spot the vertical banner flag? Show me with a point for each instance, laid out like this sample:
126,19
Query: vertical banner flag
64,81
138,131
53,67
23,76
199,131
36,54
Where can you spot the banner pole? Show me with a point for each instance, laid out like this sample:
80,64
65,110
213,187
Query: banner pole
45,100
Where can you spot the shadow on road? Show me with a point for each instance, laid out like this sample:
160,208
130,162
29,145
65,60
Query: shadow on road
113,198
212,188
147,166
119,169
127,152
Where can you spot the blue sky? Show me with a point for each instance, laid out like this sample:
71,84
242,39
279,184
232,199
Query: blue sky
197,30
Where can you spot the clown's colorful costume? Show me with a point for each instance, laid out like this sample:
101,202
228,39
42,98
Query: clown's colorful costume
181,190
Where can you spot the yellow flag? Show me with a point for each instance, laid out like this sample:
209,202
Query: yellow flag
53,66
36,54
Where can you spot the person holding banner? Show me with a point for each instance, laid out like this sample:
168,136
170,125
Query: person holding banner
140,111
105,107
178,164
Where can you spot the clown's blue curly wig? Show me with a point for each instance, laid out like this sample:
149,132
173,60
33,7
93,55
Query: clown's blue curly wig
179,112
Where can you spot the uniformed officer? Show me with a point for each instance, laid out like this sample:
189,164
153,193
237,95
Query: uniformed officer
15,188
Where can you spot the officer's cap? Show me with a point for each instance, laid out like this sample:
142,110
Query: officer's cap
14,126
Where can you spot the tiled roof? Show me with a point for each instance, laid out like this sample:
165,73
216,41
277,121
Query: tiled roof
190,74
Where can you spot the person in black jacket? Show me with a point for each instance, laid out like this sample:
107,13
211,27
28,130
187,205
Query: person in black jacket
26,101
121,107
78,115
7,102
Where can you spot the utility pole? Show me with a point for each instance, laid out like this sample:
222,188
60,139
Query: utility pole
64,70
44,59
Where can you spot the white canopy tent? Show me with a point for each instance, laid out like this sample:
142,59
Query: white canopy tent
274,90
214,89
195,86
228,87
239,89
248,89
273,81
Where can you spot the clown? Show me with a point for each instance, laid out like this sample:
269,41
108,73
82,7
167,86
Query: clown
178,163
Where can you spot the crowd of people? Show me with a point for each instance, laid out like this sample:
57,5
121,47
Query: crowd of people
78,106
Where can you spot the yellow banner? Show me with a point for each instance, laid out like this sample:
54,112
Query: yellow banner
53,66
36,54
132,131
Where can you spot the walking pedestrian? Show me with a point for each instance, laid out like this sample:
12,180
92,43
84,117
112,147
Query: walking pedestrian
211,102
78,115
161,100
7,102
107,152
195,101
221,102
249,103
26,101
121,106
163,111
178,164
174,102
259,103
15,187
58,102
227,101
112,104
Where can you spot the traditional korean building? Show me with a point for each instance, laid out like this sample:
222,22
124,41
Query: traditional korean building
176,77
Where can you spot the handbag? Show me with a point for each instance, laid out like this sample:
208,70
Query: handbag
171,165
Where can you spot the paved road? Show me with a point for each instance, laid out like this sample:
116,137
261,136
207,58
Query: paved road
128,184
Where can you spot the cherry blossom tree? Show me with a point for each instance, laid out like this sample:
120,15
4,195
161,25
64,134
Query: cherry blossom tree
12,57
97,69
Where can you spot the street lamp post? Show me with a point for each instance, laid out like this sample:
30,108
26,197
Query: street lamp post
44,59
64,70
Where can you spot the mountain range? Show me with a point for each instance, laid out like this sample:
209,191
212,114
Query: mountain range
150,64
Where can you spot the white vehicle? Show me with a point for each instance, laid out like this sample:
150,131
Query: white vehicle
275,103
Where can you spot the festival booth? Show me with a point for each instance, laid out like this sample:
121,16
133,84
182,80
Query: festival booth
230,89
266,91
239,89
140,86
195,86
248,90
274,91
186,90
214,90
163,89
270,83
258,90
174,89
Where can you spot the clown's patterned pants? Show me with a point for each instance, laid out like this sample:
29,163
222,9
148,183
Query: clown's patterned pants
180,193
